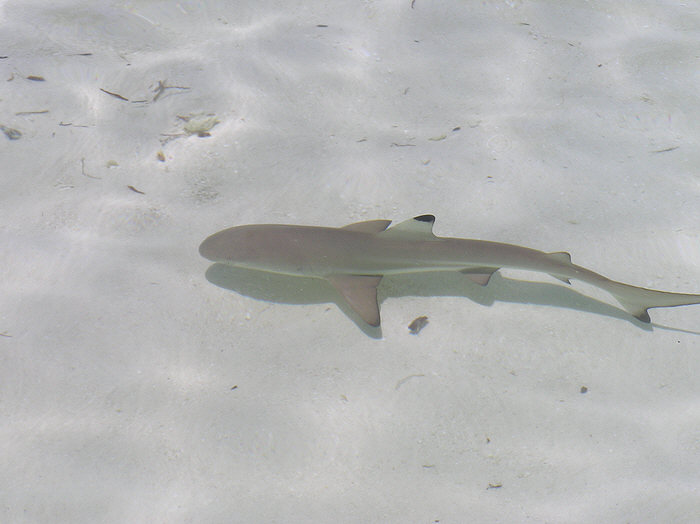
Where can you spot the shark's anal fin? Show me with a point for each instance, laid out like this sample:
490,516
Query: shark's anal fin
360,291
370,226
480,275
638,311
562,279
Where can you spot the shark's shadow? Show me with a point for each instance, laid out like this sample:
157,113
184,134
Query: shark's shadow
273,287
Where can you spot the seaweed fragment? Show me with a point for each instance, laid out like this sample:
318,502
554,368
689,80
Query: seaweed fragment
115,95
84,173
199,124
24,113
12,134
162,87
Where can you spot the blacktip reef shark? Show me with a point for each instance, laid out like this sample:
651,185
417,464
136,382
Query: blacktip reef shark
354,259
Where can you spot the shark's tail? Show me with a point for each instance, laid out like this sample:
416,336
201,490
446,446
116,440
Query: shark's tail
637,300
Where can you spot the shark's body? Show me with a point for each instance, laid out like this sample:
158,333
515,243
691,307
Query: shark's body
355,257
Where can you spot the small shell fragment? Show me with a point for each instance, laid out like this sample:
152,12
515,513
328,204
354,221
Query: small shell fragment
417,325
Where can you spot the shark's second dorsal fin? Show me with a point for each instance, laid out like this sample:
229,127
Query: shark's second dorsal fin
560,256
418,228
370,226
564,257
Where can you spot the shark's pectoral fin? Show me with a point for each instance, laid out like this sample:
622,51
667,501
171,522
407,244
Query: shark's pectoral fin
480,275
360,291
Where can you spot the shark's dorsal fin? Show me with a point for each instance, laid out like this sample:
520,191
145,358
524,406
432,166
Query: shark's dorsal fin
418,228
369,226
360,291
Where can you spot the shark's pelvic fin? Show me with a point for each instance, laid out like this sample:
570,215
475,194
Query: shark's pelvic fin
480,275
360,292
370,226
416,228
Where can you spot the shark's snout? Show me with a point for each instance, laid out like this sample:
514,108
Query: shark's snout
211,247
227,246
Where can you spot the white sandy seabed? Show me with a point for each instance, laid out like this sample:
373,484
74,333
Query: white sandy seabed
132,389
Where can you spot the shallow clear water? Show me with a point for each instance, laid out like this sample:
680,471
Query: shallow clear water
135,390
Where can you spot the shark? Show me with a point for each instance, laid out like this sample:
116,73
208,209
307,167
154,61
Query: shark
354,258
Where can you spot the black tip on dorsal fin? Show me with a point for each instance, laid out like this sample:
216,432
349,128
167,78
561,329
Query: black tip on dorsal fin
416,228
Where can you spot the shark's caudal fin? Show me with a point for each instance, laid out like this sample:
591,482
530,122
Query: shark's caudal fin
637,300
